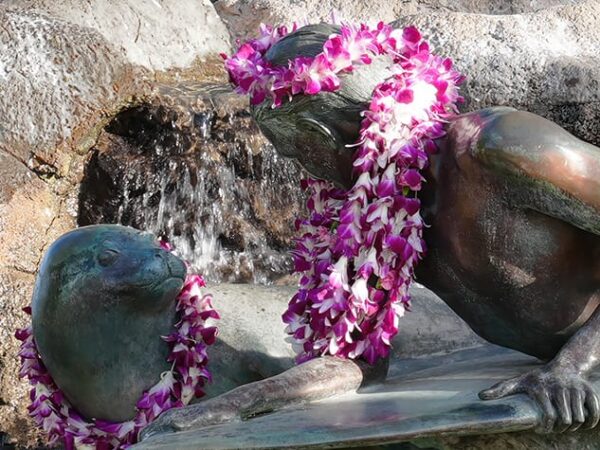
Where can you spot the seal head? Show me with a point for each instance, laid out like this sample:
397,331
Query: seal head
104,296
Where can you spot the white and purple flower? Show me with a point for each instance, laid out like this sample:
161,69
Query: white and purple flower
357,249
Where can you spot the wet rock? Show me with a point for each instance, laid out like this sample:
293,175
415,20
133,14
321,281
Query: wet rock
547,63
243,17
155,35
191,164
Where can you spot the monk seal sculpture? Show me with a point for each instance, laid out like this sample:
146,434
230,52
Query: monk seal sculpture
103,297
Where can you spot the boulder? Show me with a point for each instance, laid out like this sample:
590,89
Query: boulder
547,63
57,81
157,35
243,17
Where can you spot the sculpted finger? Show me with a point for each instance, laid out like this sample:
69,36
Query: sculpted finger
578,412
562,402
548,412
501,389
593,408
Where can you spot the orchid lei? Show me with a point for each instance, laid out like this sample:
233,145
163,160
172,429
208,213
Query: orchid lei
357,250
52,412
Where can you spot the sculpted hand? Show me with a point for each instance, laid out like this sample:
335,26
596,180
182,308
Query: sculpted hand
205,413
567,400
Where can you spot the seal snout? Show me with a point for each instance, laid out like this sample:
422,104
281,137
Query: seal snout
175,266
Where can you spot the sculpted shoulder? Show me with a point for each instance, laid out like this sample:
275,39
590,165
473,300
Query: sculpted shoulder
542,166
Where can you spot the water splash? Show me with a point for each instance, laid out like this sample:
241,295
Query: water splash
209,183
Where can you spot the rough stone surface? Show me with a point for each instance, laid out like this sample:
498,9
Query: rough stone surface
547,63
31,216
243,17
156,34
56,80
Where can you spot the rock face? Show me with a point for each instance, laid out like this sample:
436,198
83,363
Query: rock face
243,17
191,164
547,63
154,34
57,79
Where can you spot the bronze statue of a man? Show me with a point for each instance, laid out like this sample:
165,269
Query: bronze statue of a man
513,201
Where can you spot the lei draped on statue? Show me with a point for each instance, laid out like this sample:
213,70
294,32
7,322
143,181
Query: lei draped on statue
357,250
54,414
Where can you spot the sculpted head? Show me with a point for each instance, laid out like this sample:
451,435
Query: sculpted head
103,297
107,261
316,129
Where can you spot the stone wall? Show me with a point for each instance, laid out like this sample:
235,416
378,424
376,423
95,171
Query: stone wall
243,17
547,63
158,35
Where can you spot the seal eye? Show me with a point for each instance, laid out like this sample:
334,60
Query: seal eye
107,257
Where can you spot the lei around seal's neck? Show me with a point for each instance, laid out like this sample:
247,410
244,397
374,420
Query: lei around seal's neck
358,248
188,342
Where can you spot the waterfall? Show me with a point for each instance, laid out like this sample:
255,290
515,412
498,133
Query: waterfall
204,179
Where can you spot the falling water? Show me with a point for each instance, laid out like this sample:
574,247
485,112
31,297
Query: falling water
210,184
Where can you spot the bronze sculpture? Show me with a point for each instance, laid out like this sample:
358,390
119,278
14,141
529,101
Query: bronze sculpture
514,206
102,296
499,171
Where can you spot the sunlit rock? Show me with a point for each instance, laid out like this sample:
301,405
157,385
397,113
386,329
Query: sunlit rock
243,17
157,35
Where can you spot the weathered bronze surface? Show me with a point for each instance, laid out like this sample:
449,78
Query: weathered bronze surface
513,201
103,297
429,401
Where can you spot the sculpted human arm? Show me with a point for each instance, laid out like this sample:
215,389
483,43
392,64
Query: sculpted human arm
313,380
547,170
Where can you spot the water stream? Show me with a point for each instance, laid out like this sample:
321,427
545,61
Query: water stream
201,175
